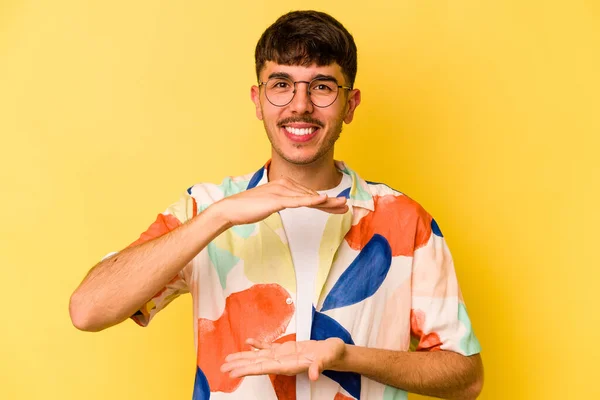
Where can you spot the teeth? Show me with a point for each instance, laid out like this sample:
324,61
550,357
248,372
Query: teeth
300,132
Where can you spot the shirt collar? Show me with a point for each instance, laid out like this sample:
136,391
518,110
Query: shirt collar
358,196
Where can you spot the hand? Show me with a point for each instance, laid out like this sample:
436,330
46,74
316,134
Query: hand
258,203
289,358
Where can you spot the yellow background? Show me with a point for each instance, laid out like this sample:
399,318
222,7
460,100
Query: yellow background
486,112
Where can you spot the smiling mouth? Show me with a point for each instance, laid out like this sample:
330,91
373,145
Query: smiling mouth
300,134
300,131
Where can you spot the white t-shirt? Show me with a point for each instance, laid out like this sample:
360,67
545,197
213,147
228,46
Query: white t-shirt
304,229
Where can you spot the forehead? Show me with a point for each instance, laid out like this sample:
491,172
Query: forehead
300,72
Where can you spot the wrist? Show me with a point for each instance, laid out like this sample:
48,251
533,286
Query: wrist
340,363
216,218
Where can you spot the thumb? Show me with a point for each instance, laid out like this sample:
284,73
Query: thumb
314,370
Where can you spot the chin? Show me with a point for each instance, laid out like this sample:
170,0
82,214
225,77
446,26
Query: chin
299,155
301,159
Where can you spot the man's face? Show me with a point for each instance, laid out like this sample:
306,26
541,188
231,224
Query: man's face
301,133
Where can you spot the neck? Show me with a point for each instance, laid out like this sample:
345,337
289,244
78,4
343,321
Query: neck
318,175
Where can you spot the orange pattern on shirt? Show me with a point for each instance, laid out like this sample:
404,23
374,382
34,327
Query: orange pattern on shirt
428,342
164,223
399,219
260,312
341,396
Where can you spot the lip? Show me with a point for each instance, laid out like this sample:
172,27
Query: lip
301,125
298,138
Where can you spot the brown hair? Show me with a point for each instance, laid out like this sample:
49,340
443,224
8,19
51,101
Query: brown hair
304,38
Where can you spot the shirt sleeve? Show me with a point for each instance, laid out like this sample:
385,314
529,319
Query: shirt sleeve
439,319
173,217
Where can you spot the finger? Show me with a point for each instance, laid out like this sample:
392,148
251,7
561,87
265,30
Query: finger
288,365
338,200
240,363
333,203
303,201
248,355
283,190
241,359
314,370
336,205
289,182
261,368
259,344
333,210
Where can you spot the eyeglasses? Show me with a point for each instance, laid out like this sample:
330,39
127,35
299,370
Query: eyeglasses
321,92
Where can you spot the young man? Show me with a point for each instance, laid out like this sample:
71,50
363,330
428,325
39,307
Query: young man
308,282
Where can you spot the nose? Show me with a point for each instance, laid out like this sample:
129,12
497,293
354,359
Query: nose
301,103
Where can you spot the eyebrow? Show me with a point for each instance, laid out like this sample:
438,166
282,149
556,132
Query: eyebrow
279,75
285,75
326,78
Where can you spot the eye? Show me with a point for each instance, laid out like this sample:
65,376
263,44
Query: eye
322,86
279,84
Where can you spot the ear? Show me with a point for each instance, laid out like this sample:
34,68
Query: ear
255,96
353,102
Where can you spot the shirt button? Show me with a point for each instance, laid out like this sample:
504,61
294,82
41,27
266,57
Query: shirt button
288,300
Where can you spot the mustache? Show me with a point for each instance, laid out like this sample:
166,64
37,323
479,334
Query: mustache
305,119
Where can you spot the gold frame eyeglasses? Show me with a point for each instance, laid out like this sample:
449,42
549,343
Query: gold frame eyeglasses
272,84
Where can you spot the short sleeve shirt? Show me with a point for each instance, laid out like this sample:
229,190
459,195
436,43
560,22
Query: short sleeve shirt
385,279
